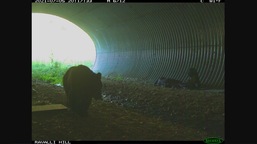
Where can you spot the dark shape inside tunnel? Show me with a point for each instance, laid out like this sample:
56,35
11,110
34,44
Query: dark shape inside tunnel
145,41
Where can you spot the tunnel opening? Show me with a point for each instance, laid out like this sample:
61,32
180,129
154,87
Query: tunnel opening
58,44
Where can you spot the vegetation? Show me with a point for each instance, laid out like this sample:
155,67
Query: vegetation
118,77
52,72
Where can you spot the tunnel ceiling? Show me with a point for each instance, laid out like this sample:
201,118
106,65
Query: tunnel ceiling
149,40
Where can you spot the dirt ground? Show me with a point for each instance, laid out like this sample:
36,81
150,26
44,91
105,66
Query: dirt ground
131,111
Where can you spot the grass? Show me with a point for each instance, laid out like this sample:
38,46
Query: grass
52,72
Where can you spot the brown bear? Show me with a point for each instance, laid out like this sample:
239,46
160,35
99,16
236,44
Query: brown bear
81,85
194,81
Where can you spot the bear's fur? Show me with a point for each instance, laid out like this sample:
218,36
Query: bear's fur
81,85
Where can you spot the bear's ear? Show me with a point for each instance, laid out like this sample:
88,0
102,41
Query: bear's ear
99,75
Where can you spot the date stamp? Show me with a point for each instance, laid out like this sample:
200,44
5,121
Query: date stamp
63,1
79,1
49,1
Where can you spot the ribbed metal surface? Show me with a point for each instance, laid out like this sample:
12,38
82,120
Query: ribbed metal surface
147,41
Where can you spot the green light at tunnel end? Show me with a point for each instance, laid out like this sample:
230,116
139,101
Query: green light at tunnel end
213,140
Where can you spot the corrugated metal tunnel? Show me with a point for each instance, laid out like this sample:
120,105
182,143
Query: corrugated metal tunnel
150,40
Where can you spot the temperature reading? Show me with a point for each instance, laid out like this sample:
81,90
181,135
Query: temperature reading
116,1
214,1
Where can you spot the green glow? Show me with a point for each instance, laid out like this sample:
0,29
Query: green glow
54,38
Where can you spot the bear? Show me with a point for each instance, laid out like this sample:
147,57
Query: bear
168,83
81,85
173,83
160,82
193,82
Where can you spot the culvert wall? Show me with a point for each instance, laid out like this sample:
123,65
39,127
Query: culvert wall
149,40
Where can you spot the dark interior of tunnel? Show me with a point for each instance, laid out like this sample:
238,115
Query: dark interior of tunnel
146,41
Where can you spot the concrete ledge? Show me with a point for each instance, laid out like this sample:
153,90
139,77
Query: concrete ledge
51,107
